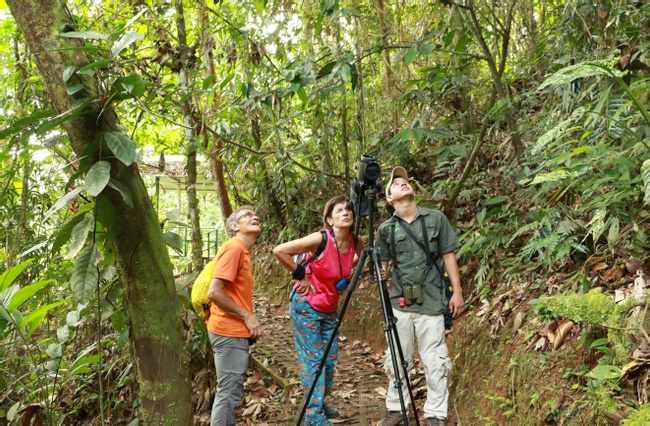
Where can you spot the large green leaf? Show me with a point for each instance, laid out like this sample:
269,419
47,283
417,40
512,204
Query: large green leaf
84,34
35,318
411,55
123,190
63,201
25,293
97,177
79,235
121,146
11,274
123,42
174,241
65,233
127,87
85,275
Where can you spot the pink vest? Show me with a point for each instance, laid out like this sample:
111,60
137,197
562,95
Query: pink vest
324,273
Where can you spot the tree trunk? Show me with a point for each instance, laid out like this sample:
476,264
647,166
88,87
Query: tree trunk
190,139
449,208
143,259
389,78
214,151
496,70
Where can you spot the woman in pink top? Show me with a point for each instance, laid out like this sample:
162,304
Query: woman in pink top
313,304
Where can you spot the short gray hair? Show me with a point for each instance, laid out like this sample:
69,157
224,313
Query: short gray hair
232,219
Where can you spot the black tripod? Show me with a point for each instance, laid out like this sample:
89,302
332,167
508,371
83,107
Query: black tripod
389,319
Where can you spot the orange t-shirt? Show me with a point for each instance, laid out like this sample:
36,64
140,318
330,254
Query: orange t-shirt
234,266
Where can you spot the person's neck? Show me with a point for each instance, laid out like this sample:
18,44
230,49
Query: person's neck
247,239
406,209
342,235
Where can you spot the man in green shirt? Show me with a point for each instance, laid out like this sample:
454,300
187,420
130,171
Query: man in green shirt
417,294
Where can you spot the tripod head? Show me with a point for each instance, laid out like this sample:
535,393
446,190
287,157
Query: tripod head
363,195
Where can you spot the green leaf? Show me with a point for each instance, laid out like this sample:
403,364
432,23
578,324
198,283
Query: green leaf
354,75
84,34
613,230
124,336
411,54
25,293
68,72
174,240
102,63
10,275
345,72
75,88
123,190
84,276
127,87
427,48
118,321
605,372
135,18
121,146
403,135
583,70
599,342
497,200
326,69
122,43
63,201
65,233
97,177
79,235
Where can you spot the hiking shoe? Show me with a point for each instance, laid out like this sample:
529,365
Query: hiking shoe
434,421
392,418
330,413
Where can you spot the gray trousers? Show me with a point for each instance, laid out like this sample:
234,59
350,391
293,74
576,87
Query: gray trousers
231,363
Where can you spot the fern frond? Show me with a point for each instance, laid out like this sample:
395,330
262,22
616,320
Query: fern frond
557,132
582,70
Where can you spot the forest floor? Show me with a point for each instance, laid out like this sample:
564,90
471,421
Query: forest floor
273,394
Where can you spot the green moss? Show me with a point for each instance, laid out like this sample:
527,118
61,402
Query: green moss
640,418
592,308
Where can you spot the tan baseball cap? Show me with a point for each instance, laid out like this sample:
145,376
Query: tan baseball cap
397,172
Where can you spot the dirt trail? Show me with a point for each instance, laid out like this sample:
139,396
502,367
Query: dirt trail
273,394
359,383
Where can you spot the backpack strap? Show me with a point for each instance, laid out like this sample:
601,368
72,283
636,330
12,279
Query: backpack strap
320,248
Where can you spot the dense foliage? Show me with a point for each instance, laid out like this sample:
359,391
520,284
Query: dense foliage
526,121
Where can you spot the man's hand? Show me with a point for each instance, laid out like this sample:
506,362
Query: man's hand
456,304
257,332
304,286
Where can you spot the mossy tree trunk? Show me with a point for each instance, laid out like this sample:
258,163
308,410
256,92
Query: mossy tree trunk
152,302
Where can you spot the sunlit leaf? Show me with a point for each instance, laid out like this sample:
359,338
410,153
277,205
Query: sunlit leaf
121,146
174,240
67,73
97,177
25,293
79,235
122,43
84,34
8,276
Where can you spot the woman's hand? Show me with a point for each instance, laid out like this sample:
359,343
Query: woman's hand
304,286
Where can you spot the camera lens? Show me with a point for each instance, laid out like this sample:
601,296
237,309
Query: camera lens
372,172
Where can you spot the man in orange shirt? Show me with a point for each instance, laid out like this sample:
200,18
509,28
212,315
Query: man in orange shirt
231,324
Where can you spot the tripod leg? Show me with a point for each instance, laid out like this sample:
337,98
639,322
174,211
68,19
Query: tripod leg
392,337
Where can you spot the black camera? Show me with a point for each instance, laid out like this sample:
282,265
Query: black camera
368,172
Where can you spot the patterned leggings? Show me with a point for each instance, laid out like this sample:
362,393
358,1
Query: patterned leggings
311,332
